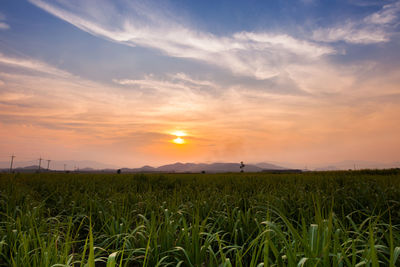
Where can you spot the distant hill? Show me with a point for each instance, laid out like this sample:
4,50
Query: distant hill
94,166
142,169
32,168
178,167
213,167
269,166
357,164
59,164
29,168
199,167
327,168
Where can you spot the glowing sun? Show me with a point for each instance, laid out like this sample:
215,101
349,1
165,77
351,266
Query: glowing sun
179,140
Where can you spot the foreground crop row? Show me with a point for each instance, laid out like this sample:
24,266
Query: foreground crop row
309,219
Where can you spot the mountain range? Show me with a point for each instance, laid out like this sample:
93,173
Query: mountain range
59,164
357,165
90,166
204,167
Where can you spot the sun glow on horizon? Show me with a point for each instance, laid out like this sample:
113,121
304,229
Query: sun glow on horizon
179,133
178,141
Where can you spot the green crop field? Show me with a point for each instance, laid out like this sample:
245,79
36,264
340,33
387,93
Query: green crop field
245,219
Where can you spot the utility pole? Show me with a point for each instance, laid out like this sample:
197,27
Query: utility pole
40,162
12,160
48,164
65,167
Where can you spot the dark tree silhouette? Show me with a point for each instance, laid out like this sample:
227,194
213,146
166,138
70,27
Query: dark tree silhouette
242,166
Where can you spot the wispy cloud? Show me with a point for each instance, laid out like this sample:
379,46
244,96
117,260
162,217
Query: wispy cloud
351,33
374,28
273,95
75,103
387,15
123,119
3,24
258,54
32,65
172,83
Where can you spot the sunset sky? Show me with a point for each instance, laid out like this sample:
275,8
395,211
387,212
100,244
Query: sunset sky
306,82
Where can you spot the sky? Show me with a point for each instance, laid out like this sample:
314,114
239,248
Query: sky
302,82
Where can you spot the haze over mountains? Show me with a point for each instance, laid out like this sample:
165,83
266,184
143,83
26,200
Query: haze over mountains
88,165
200,167
357,164
175,167
59,164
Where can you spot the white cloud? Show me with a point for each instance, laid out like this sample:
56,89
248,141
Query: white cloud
75,100
31,64
351,33
150,82
388,14
182,77
69,109
173,84
375,28
262,120
4,26
257,54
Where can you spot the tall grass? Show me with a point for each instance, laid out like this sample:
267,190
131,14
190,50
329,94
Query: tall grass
310,219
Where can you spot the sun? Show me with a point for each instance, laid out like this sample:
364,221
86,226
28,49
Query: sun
179,140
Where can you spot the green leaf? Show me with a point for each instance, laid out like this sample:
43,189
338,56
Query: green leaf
112,259
302,262
396,254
